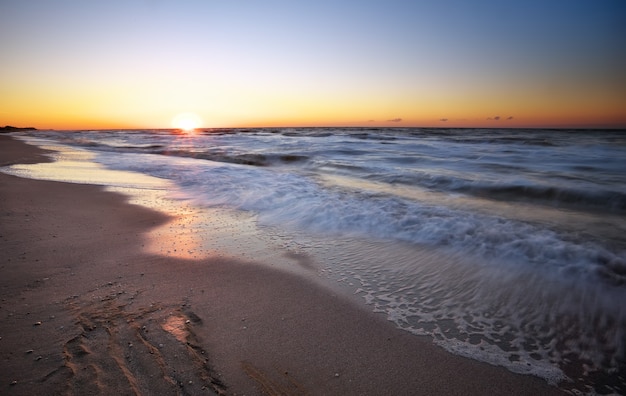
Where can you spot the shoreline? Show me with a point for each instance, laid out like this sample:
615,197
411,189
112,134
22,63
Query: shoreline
85,310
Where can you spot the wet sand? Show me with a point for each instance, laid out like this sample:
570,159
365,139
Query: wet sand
84,309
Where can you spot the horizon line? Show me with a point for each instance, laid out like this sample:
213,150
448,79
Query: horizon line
29,128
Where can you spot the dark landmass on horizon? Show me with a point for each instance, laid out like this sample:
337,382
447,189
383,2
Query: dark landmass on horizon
10,128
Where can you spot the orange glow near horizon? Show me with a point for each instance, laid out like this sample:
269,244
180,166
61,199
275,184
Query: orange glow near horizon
74,117
102,108
306,113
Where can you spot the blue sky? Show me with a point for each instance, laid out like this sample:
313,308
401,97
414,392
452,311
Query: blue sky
141,62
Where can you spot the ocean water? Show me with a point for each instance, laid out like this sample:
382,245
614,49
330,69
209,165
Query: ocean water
506,246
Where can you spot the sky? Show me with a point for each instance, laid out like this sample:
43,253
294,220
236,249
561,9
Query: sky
75,64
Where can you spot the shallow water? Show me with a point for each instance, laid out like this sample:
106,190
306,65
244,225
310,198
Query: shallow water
505,246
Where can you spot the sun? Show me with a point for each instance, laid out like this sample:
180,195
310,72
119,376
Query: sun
186,122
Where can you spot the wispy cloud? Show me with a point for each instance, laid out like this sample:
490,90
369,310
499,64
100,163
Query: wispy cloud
443,119
498,118
395,120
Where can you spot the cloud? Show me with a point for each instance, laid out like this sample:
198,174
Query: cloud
395,120
443,119
371,121
509,117
497,118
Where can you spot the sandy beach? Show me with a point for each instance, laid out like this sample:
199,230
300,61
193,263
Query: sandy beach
86,310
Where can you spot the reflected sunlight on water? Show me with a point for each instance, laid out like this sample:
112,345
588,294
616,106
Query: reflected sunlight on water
76,166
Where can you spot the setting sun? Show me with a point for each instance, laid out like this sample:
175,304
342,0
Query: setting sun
187,121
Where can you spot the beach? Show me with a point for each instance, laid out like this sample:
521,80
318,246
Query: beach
86,309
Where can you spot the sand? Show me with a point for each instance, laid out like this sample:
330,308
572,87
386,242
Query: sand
84,309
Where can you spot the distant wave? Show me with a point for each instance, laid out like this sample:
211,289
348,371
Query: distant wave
607,200
242,159
612,201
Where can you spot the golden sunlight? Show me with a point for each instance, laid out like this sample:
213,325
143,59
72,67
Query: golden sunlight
186,121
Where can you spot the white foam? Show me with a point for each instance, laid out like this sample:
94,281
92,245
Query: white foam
290,199
525,321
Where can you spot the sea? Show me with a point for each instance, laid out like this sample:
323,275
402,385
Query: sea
507,246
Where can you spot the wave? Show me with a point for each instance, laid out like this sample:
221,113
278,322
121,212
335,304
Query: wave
293,200
252,159
582,198
480,309
435,159
131,147
612,201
